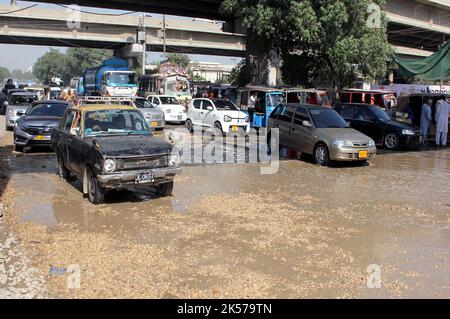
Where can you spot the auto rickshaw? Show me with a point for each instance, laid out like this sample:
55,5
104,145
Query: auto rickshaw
267,99
409,108
384,99
308,96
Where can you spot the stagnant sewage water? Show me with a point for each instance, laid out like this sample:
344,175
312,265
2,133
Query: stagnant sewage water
306,231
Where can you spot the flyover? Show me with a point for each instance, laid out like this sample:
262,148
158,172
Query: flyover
416,27
59,27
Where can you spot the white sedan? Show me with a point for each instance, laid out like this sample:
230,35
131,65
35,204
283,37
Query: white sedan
222,116
173,110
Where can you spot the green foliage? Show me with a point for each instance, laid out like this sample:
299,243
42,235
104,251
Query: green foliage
182,60
320,41
4,73
52,63
65,66
22,76
198,78
79,59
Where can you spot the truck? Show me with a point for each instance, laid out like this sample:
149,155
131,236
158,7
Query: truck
170,79
112,78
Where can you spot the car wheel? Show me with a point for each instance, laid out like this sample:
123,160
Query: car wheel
321,155
165,189
96,194
63,172
391,141
189,126
218,129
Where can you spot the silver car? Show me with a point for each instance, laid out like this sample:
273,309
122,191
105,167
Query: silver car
321,132
153,115
17,105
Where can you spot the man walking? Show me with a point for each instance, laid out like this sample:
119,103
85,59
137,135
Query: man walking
425,120
442,111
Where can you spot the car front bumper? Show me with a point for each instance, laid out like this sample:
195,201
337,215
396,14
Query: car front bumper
24,139
410,140
175,117
156,123
351,154
237,128
10,121
128,178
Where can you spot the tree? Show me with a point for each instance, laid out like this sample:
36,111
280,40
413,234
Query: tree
4,73
22,76
182,60
52,63
319,41
79,59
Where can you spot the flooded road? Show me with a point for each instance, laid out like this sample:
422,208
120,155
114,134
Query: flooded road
381,230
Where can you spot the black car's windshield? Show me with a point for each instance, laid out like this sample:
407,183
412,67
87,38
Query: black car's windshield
114,122
143,104
225,105
47,109
380,114
168,100
327,118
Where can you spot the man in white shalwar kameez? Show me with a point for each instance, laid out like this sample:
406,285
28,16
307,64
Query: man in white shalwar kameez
442,111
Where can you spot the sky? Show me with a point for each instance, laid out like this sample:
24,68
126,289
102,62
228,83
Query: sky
23,56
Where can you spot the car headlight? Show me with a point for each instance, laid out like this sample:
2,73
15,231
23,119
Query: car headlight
247,119
10,113
227,118
109,165
20,126
371,143
340,144
407,132
174,160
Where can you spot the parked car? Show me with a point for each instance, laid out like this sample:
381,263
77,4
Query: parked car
112,147
17,105
376,123
321,132
173,110
222,116
153,115
35,126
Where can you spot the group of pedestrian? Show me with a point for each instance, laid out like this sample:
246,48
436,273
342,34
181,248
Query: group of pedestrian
441,117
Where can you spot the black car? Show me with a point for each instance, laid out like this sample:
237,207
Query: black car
35,126
376,123
112,147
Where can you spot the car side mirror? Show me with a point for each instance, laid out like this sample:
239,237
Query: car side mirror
306,124
209,108
75,131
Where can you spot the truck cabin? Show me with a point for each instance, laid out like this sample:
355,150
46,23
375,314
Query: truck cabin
119,78
384,99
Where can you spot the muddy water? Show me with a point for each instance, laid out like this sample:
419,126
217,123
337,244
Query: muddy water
229,231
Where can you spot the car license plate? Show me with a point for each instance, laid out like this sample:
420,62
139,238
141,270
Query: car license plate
41,137
154,124
144,178
363,154
234,128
